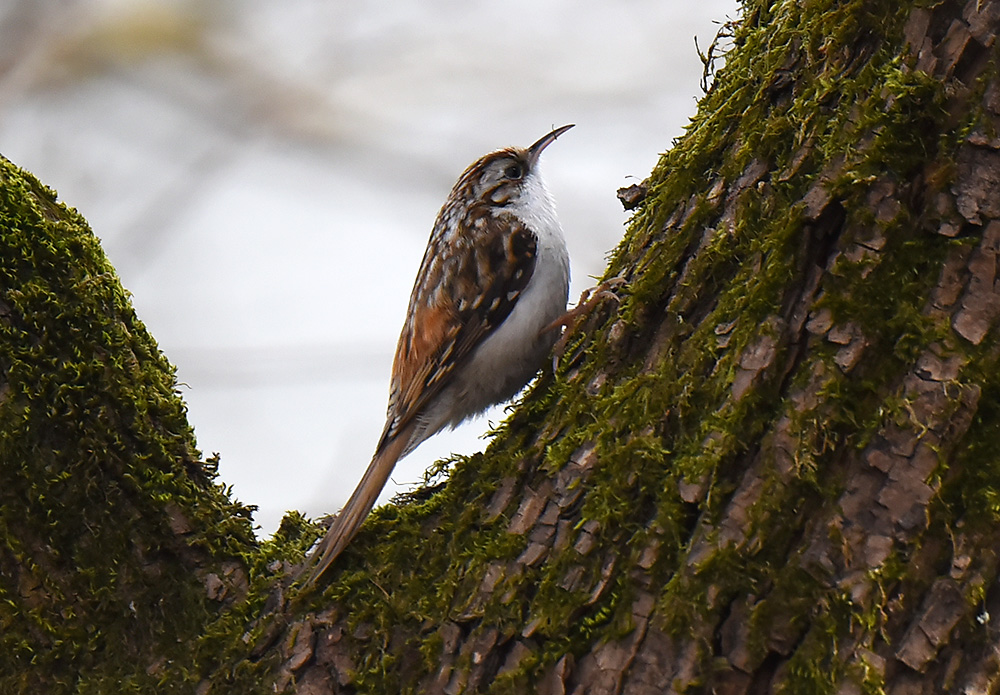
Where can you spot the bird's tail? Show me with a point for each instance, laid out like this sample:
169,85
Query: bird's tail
349,520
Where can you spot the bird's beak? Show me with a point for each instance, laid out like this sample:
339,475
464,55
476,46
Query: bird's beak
535,151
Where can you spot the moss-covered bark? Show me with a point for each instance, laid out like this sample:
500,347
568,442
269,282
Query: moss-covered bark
117,547
773,467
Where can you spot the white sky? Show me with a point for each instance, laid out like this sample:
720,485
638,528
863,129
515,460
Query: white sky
264,177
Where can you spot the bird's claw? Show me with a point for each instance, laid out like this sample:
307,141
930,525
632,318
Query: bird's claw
589,299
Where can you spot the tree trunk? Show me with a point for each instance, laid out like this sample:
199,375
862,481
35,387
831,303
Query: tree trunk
774,466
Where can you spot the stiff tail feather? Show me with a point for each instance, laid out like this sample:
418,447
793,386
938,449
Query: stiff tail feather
354,512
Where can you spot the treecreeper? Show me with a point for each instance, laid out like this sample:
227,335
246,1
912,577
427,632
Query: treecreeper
484,313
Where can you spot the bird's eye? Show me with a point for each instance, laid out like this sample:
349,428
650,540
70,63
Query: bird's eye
514,171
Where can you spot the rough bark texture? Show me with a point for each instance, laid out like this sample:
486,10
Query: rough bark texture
774,466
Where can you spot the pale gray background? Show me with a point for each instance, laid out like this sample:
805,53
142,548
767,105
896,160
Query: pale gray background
264,176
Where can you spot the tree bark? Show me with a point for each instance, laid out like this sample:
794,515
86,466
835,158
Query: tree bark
773,466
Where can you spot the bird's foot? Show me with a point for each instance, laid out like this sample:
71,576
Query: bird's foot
589,299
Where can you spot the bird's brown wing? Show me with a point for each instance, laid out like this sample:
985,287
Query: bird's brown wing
467,287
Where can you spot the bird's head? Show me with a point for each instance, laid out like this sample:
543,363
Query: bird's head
507,177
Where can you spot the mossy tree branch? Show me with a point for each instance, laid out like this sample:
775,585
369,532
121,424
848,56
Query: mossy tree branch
111,527
774,467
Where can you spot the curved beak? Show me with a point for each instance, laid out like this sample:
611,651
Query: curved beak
535,151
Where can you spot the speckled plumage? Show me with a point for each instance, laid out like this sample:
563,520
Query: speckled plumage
494,277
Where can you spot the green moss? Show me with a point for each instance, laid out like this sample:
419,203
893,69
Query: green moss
99,470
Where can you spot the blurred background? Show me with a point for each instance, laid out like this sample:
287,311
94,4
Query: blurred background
264,176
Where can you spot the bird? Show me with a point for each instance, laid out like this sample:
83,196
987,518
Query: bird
483,315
